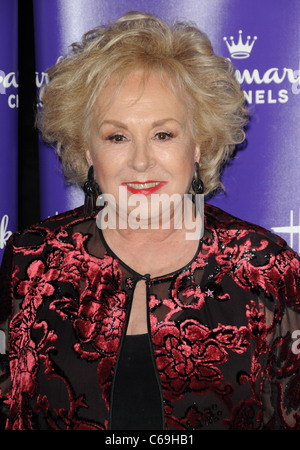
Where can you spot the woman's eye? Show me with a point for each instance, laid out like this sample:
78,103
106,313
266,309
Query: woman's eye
116,138
163,136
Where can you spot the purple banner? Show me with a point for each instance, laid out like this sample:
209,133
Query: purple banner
8,120
263,41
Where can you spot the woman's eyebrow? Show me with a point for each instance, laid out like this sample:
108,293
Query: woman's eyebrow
158,123
123,125
113,122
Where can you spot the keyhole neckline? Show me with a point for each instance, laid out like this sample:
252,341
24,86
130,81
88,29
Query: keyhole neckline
147,277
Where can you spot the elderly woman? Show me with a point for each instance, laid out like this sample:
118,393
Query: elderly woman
139,327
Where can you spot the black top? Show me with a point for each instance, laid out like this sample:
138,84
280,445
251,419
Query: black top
136,401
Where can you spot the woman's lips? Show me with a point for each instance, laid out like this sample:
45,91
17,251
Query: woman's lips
146,187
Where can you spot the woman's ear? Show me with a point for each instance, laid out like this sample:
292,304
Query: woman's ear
88,157
197,153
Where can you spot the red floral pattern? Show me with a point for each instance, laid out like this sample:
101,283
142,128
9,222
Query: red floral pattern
188,356
219,328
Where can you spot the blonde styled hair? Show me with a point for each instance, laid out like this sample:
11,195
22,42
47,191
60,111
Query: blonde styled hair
141,41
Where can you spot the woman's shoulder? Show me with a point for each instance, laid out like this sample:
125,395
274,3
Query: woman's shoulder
228,226
36,234
61,220
255,257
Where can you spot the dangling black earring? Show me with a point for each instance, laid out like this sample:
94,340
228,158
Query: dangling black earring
197,183
92,191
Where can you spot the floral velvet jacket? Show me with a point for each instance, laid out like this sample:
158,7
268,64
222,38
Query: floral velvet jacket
221,328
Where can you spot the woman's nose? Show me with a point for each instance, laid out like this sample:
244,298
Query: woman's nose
140,158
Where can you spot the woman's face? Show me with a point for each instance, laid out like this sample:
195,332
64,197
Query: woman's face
142,140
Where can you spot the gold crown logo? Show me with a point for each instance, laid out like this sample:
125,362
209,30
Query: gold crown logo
240,50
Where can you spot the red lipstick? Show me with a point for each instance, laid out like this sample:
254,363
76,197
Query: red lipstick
144,187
